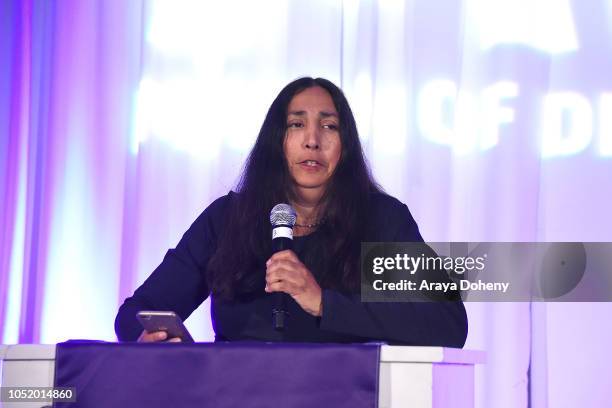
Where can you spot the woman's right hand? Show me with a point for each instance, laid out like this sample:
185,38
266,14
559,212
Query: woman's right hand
155,337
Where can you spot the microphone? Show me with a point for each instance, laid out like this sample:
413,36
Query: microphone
282,218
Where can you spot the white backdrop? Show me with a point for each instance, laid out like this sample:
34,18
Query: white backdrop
491,119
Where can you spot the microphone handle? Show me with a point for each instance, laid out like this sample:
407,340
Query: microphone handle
281,244
279,299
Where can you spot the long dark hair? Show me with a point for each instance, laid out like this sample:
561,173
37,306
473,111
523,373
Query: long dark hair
238,264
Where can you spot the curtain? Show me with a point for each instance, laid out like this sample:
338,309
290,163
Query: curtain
121,121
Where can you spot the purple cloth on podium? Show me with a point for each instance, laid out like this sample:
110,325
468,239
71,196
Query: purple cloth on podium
218,374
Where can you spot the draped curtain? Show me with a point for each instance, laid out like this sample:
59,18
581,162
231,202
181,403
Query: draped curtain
121,121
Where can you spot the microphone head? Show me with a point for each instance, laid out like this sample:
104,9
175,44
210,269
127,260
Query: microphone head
283,214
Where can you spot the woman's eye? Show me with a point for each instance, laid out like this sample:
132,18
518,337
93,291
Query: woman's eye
294,125
330,126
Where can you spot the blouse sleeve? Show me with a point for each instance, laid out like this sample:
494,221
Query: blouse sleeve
442,323
179,282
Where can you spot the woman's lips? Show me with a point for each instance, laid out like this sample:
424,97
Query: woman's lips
310,165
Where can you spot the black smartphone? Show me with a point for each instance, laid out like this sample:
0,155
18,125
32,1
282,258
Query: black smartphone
167,321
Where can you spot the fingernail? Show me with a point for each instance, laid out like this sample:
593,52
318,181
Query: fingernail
162,335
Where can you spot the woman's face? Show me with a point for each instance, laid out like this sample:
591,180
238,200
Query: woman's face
312,141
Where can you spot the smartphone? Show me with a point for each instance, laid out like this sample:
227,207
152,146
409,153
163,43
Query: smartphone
167,321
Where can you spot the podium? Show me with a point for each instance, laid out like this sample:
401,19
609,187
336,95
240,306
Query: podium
416,377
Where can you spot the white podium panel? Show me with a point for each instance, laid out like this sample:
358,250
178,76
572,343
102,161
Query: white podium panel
27,365
427,377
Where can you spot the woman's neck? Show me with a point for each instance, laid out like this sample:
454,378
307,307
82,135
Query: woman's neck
306,213
307,208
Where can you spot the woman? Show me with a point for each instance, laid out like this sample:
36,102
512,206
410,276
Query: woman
307,154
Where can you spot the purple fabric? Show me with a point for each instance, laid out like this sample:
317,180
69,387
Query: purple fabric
218,374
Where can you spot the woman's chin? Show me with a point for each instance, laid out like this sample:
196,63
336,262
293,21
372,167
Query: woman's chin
309,190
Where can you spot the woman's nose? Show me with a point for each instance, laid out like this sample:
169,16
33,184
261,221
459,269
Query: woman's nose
312,138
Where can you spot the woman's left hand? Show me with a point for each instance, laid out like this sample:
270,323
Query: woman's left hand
286,273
